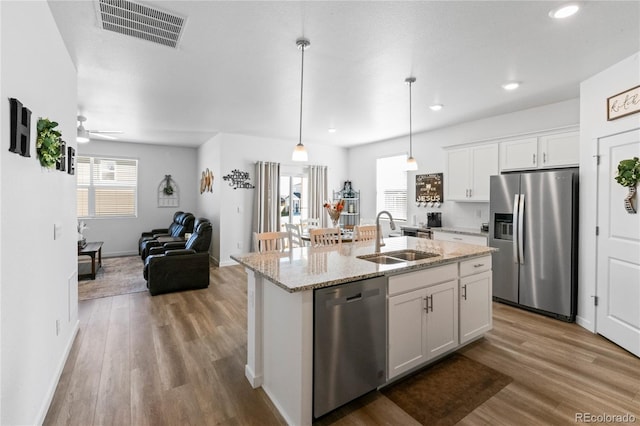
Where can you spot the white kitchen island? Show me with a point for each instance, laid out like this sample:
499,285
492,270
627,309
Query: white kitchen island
280,296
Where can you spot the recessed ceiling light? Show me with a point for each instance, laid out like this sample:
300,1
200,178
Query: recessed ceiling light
332,129
564,11
436,107
512,85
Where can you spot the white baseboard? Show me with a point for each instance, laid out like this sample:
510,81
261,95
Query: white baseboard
54,383
585,323
229,262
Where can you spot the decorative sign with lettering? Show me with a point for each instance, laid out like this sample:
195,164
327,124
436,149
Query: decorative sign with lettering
429,188
623,104
20,128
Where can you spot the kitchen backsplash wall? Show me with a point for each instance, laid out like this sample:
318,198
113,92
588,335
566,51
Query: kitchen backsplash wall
454,214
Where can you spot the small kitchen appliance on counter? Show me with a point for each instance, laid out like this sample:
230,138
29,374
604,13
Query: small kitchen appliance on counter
434,220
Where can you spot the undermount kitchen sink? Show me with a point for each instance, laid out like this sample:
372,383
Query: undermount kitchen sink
411,255
397,256
385,260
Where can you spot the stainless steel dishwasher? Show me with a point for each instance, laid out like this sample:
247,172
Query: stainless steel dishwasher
349,342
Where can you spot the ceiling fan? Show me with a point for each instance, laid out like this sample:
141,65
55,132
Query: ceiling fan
84,134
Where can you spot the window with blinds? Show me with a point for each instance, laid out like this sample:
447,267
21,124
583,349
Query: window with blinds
391,186
107,187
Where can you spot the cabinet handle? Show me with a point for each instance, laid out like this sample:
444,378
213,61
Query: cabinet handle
534,159
470,193
477,265
456,238
464,293
544,158
428,306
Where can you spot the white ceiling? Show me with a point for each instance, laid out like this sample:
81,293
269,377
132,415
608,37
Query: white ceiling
237,68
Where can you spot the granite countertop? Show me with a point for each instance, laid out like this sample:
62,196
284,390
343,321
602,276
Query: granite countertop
464,231
308,268
455,230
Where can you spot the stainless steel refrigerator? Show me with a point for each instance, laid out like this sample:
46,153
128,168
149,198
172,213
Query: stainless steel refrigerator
534,223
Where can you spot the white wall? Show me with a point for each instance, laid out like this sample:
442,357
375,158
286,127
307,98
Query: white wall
208,204
427,149
236,205
120,235
38,282
593,125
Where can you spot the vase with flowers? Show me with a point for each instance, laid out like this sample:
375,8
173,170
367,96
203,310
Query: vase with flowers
334,211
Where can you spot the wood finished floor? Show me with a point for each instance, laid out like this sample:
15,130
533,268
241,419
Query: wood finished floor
178,359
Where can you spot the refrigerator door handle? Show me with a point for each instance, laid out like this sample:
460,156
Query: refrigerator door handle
521,230
516,202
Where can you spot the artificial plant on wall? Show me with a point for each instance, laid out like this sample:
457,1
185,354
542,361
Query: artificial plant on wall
48,143
629,176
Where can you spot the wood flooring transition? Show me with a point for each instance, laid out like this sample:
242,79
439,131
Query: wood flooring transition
178,359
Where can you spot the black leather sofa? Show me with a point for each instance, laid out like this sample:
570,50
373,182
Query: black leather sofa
177,266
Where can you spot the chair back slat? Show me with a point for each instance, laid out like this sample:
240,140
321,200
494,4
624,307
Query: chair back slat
295,235
271,241
325,236
364,232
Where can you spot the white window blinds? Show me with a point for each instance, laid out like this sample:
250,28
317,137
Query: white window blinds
391,186
107,187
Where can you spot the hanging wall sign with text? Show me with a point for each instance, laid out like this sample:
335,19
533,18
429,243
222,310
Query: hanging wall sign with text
429,188
623,104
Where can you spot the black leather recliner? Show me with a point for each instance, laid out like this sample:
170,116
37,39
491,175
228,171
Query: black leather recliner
180,266
182,224
149,235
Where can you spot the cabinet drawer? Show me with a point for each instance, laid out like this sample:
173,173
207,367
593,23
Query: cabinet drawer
414,280
475,266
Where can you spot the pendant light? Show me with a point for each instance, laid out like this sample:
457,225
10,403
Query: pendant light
411,162
300,152
82,135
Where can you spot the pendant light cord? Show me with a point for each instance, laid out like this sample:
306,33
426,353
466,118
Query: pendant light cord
410,123
302,46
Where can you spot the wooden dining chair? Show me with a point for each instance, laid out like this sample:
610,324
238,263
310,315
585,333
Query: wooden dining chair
325,236
270,241
309,223
364,232
295,235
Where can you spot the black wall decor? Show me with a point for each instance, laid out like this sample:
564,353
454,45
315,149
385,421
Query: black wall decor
71,159
20,128
61,164
238,179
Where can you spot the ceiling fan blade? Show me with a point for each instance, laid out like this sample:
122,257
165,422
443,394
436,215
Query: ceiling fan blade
102,135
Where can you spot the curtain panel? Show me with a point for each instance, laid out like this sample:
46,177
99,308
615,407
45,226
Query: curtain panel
318,187
266,216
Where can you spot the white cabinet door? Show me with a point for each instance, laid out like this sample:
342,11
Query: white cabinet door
407,331
560,150
458,174
519,154
468,171
484,163
442,318
475,305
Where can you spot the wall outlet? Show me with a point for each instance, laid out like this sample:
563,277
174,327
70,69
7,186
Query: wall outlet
239,244
57,327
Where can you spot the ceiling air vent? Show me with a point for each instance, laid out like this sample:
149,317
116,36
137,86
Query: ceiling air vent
136,20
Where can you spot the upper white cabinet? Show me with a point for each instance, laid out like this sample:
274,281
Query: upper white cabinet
468,171
558,150
519,154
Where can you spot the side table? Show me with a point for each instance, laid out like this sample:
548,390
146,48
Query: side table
91,249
